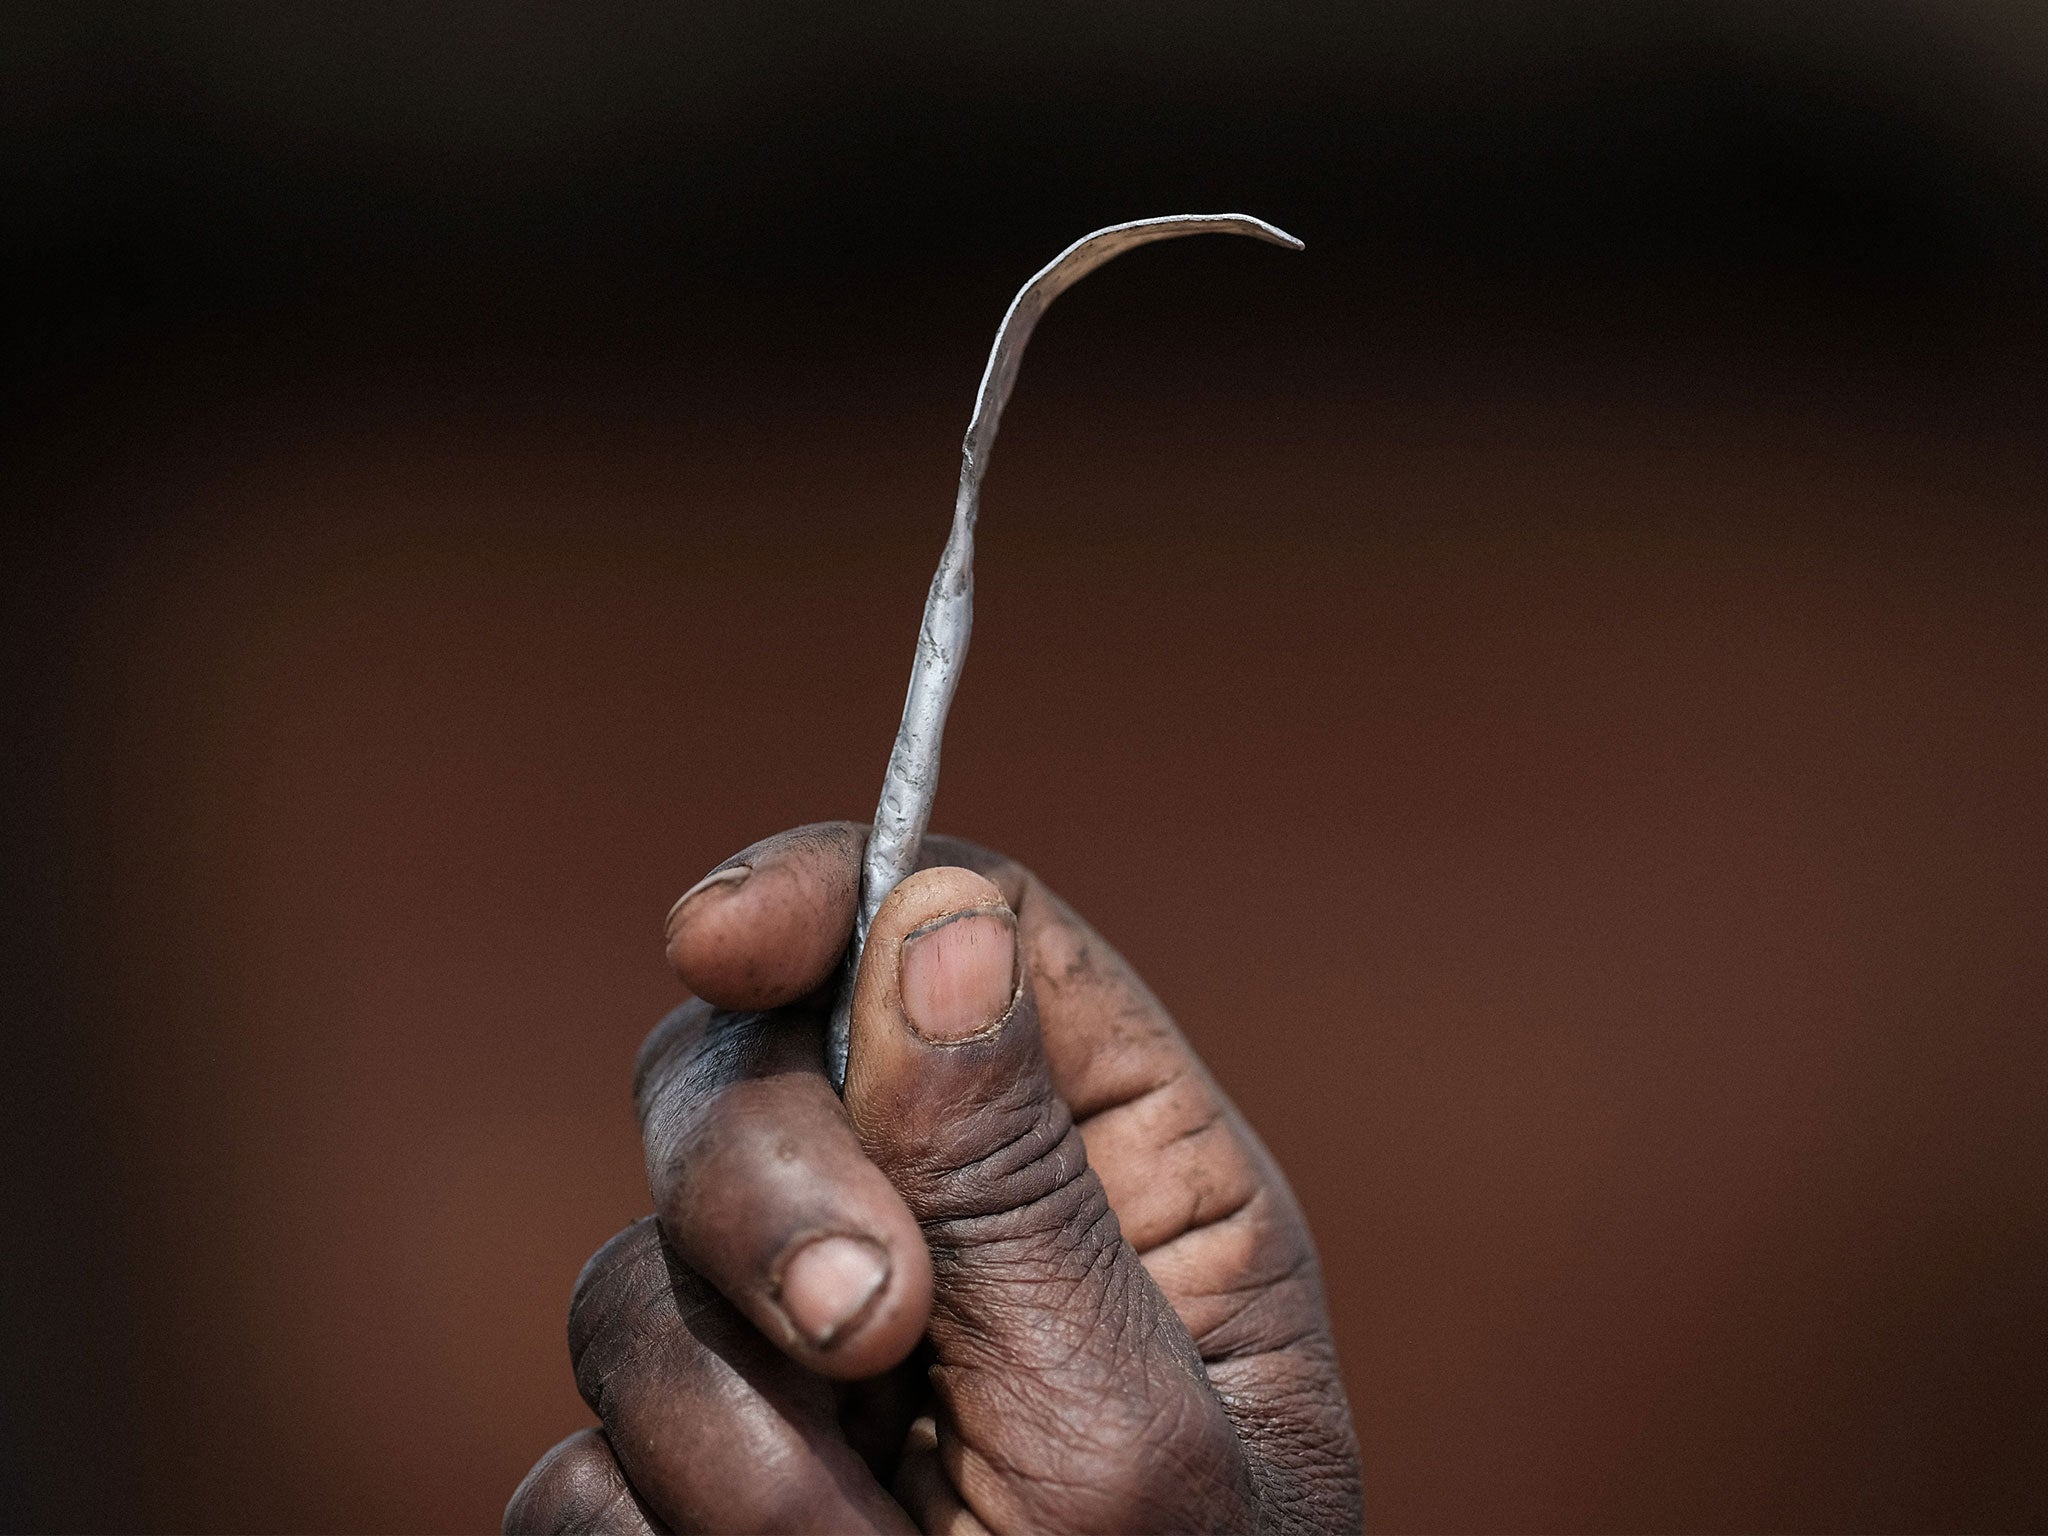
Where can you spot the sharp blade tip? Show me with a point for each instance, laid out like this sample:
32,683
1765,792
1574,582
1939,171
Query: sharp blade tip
1272,234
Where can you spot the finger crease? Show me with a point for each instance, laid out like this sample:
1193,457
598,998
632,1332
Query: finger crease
1208,1123
1194,1228
1173,1080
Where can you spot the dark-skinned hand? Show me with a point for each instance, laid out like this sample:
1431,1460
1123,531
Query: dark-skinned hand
1033,1273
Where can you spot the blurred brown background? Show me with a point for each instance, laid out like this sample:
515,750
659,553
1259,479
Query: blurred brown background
1548,685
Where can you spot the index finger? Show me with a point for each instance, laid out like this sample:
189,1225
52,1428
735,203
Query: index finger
771,923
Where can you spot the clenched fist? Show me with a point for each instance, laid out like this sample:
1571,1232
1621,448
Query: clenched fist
1033,1273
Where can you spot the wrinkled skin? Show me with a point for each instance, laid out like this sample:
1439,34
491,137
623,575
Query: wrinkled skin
1071,1290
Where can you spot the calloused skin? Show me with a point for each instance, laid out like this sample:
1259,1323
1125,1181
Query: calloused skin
1033,1273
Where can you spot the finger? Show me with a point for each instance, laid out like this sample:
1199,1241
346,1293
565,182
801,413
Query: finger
1210,1211
1196,1191
770,924
1069,1394
578,1487
922,1488
715,1428
1203,1202
763,1189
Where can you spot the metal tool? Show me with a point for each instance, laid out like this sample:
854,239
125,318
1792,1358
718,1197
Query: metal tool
913,778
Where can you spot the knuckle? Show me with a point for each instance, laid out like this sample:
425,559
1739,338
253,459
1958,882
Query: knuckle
705,1055
1046,1285
625,1252
1289,1408
1150,1451
731,1123
1181,1454
998,1140
1025,1173
668,1040
630,1320
616,1300
576,1486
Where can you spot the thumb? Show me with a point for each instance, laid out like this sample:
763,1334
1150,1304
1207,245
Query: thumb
1069,1394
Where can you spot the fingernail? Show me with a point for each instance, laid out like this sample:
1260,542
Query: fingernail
959,973
732,876
828,1283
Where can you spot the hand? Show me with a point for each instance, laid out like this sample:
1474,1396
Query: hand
1033,1273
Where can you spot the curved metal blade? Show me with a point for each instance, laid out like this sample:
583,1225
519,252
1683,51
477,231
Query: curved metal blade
912,782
